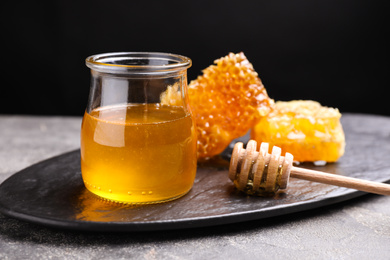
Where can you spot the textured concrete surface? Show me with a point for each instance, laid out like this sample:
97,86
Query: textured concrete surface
355,229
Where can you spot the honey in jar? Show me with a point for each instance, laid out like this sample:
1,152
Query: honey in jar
138,153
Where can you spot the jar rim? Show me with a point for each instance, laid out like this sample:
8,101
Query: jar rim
138,62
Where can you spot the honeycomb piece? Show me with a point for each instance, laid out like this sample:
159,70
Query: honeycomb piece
304,128
226,101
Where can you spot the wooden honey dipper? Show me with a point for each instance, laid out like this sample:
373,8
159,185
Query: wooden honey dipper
261,173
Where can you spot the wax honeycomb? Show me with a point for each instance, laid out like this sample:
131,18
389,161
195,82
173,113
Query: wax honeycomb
304,128
226,101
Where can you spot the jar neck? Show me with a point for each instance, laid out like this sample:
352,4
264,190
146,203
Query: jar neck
139,64
109,89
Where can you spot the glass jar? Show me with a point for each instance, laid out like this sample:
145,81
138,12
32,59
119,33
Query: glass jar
136,145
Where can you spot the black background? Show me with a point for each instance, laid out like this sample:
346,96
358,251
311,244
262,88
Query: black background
333,51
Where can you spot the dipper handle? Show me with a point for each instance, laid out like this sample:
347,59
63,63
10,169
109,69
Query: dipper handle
339,180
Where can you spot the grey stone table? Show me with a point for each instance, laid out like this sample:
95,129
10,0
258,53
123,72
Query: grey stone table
354,229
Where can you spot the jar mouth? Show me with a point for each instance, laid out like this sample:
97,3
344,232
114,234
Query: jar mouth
138,62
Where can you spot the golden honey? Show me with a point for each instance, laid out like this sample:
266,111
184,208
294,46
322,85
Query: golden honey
138,153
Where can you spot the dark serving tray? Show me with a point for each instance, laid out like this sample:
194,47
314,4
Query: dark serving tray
52,193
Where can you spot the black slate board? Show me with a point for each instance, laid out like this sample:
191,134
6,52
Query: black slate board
52,193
